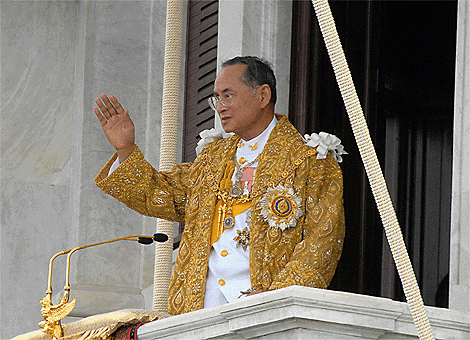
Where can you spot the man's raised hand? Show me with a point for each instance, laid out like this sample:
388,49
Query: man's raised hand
117,125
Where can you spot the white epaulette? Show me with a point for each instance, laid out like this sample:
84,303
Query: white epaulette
207,137
325,142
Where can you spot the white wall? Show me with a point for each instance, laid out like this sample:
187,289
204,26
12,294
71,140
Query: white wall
459,278
56,58
261,28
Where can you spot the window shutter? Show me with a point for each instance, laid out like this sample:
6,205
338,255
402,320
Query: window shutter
201,71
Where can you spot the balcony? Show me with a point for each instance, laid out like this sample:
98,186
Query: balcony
307,313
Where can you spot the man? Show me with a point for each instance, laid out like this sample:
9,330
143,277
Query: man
262,209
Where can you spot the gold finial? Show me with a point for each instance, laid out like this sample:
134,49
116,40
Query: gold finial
53,314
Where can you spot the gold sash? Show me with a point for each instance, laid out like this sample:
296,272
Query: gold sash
227,208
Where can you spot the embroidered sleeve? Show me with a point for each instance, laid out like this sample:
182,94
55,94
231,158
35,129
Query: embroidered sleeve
315,257
144,189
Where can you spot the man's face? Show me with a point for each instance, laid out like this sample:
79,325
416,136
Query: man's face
242,115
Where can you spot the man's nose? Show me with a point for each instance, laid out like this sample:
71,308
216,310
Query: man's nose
220,107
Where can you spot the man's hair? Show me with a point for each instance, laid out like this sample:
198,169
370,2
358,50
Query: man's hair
258,72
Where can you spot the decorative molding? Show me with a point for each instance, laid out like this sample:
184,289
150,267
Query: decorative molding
301,313
459,277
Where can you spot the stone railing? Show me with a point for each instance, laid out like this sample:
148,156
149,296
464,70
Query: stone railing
307,313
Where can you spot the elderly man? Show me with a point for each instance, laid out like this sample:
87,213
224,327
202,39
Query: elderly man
262,209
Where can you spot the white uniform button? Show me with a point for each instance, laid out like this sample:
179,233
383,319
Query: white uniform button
224,253
222,282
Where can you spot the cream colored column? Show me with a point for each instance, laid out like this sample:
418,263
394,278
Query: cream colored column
169,141
459,276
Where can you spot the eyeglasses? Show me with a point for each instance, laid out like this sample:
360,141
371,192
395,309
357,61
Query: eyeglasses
226,99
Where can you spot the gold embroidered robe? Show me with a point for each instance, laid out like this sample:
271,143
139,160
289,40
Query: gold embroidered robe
306,254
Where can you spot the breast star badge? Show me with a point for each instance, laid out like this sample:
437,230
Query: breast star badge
281,208
243,238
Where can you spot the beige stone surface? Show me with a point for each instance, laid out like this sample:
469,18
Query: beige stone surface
56,58
307,313
459,277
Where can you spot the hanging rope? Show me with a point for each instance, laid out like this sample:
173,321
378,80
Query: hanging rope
373,170
169,142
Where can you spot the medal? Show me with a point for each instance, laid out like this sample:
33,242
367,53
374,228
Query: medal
243,238
237,188
238,175
229,222
235,191
281,207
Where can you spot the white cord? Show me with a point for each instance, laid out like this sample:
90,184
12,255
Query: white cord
372,166
169,142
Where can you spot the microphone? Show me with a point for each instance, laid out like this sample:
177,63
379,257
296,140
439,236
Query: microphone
145,240
158,237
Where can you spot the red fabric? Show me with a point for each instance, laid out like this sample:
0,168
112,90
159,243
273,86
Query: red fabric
247,176
126,332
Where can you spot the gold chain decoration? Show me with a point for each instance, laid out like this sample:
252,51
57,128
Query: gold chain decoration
372,167
224,194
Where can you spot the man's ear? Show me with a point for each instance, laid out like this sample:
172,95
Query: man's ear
265,94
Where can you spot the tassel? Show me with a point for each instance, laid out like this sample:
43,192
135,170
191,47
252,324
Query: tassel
226,182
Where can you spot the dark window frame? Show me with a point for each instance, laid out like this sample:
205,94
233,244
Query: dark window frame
369,32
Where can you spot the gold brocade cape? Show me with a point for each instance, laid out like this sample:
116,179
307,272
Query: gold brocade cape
305,255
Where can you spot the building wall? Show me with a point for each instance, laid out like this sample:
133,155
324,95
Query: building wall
261,28
57,57
459,277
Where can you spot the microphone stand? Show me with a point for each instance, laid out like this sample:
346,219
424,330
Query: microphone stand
54,313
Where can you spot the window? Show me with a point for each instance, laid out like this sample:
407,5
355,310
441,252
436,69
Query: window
201,69
402,58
